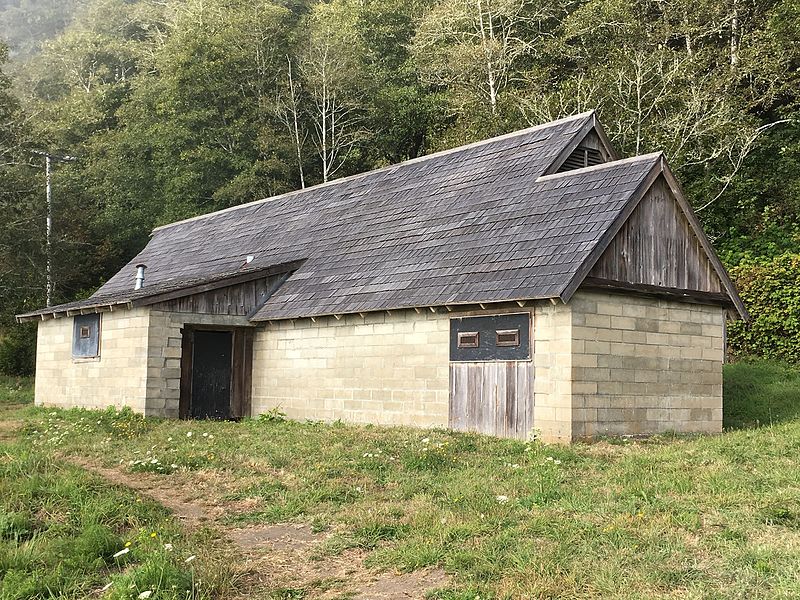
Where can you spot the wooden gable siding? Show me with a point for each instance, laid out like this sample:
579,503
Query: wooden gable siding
656,247
240,300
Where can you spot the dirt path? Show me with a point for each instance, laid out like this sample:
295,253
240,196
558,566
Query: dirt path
273,557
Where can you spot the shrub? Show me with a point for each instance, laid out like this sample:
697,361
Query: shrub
771,292
17,350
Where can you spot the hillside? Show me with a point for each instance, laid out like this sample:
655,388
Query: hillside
182,107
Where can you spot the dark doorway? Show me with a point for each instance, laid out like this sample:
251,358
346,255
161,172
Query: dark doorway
211,375
216,372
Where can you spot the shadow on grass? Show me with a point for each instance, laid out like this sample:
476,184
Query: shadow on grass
760,392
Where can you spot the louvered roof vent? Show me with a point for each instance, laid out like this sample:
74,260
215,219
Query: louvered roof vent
581,157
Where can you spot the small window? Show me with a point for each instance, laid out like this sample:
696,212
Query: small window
507,337
86,336
468,339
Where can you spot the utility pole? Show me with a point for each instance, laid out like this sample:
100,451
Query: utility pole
48,160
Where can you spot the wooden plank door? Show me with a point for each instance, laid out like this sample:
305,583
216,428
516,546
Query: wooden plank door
492,397
212,375
242,384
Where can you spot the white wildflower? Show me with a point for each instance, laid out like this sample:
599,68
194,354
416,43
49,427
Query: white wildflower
168,547
501,499
556,462
426,440
121,552
188,434
205,435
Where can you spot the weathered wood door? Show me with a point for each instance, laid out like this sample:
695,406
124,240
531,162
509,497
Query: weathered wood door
216,373
492,397
212,372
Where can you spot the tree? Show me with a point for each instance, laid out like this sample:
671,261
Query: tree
21,264
477,48
329,62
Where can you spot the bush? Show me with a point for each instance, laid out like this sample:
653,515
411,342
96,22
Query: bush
18,350
771,292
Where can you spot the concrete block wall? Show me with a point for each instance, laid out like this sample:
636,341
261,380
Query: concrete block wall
605,364
385,368
117,378
642,365
552,371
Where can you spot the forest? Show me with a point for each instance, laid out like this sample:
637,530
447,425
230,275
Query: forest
173,108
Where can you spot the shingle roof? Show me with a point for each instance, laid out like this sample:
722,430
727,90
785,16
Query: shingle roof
476,224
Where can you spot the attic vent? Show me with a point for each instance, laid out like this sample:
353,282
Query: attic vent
581,157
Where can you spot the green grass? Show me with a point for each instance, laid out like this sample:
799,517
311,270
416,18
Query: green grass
761,393
668,517
15,390
61,527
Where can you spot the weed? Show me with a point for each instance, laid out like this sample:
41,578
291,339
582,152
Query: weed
273,415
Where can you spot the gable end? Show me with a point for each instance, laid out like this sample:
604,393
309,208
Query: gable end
657,246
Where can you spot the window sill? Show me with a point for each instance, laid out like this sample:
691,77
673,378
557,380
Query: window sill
85,359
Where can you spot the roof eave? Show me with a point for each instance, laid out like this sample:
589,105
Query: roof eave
521,302
64,310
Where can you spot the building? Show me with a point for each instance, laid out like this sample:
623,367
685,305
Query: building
530,283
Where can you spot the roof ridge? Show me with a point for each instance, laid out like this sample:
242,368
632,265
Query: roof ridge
605,165
404,163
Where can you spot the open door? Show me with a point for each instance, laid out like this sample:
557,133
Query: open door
216,373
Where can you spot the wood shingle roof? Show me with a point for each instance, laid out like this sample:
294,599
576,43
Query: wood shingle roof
481,223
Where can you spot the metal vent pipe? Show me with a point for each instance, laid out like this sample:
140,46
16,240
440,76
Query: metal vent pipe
139,277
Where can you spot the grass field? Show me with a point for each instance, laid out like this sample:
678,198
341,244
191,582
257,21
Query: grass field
668,517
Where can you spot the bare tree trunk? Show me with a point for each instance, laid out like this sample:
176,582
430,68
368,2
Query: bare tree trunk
735,34
295,125
324,125
638,106
687,34
487,51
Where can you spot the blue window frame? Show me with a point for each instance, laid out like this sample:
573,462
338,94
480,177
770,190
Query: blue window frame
86,336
